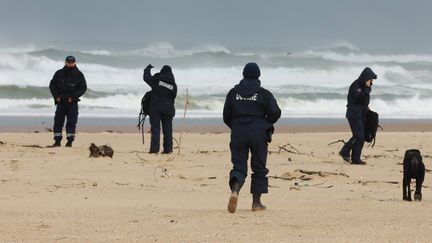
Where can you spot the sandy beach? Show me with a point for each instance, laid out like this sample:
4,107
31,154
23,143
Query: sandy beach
62,195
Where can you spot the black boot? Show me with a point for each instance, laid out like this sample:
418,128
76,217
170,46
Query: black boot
69,143
256,202
57,143
235,189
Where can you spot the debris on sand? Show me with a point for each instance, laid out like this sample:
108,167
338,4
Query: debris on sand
100,151
305,175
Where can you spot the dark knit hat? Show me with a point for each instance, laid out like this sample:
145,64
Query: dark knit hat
251,71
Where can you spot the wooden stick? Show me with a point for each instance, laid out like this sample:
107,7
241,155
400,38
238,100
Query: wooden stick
184,117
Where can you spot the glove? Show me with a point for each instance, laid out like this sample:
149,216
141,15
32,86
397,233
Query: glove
269,134
149,66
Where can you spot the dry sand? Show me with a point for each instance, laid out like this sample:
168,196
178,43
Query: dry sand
62,195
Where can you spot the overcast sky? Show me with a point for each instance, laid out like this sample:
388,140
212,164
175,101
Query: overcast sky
386,26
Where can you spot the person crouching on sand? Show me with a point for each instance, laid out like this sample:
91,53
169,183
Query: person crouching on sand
67,86
250,112
358,104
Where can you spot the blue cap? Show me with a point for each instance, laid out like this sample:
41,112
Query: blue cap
70,59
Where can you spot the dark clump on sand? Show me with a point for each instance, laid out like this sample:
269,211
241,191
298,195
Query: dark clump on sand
100,151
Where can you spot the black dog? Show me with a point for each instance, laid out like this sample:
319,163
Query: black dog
413,168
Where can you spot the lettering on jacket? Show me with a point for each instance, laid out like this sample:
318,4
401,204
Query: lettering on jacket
252,98
168,86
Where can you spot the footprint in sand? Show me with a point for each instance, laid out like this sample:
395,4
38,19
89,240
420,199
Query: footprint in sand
14,164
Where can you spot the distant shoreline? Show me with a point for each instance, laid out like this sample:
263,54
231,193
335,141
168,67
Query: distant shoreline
203,125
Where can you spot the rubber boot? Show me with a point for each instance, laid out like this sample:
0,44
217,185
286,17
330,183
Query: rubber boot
256,202
232,203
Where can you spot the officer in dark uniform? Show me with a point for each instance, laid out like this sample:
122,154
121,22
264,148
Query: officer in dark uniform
161,109
358,105
250,111
67,86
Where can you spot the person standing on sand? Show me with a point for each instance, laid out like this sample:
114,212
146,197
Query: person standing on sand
358,104
161,109
250,112
67,86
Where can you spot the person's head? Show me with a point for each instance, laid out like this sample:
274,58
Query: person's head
367,76
166,74
251,71
166,69
70,61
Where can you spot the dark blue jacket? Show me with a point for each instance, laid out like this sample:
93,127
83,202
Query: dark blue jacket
248,106
164,90
68,83
358,95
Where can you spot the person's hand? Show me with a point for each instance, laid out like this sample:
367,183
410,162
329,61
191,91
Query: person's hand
149,66
58,99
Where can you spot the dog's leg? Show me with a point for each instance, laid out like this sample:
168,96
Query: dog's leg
407,188
419,183
404,189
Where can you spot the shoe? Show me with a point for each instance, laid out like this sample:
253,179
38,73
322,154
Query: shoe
232,203
69,144
153,152
167,152
358,162
344,157
56,144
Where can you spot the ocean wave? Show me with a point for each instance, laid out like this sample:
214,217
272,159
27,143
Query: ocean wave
120,105
310,83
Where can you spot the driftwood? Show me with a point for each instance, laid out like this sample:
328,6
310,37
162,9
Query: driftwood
32,146
283,147
322,173
302,175
375,156
337,141
388,182
282,178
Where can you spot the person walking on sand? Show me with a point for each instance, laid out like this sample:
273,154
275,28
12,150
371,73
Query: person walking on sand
250,112
161,109
358,104
67,86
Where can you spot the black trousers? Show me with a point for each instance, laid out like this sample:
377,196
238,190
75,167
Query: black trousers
241,143
156,118
357,140
69,111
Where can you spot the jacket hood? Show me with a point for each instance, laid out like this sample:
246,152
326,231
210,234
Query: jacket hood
248,87
251,71
367,74
166,74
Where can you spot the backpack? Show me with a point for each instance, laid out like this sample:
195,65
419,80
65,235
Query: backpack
145,107
371,126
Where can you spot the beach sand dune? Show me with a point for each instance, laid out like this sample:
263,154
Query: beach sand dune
62,195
